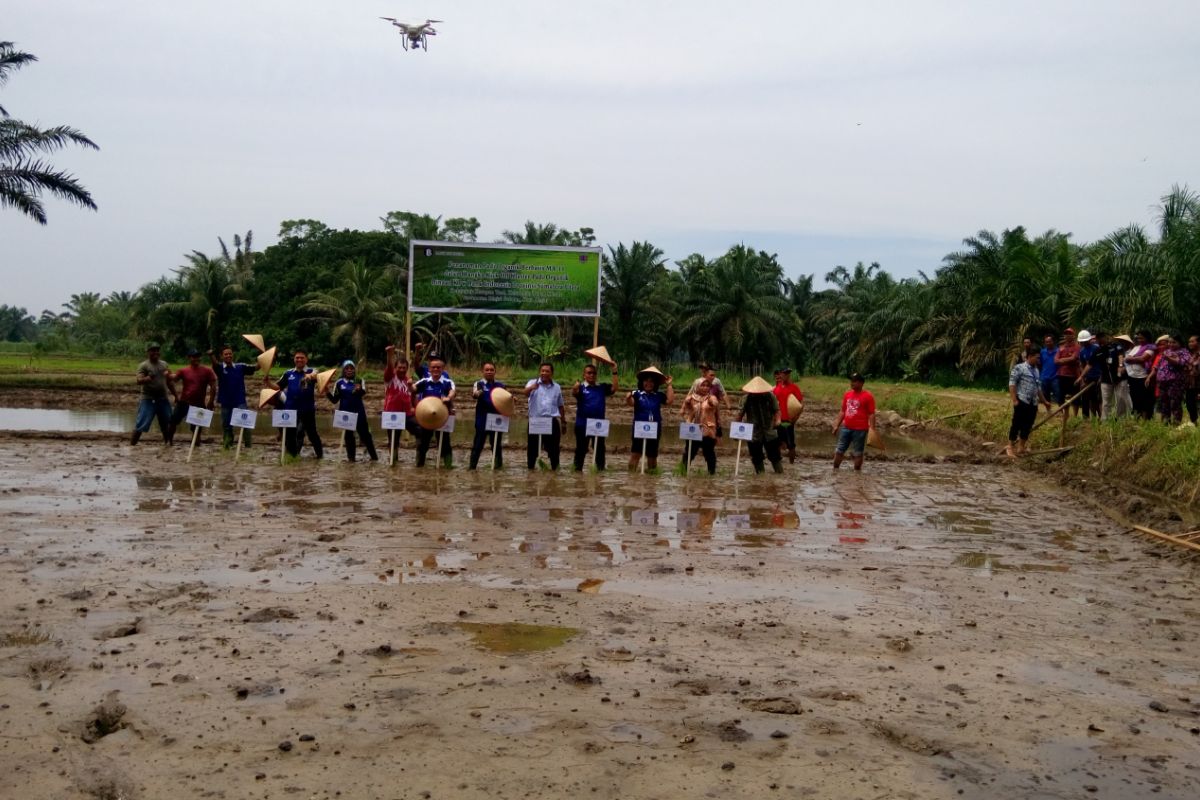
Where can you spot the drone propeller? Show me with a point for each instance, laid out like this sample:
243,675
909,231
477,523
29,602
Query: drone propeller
432,21
389,19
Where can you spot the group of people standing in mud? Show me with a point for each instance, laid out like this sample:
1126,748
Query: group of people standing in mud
771,410
1103,377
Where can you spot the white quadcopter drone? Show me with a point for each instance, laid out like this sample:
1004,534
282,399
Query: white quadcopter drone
415,33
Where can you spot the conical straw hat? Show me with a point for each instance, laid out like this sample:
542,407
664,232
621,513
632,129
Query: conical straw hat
265,360
757,386
600,354
651,372
266,396
794,406
432,413
323,379
875,440
502,400
256,340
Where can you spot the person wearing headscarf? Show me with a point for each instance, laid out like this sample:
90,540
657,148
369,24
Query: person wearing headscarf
701,407
347,395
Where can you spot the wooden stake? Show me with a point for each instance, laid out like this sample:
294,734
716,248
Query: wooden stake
642,462
737,462
393,435
282,446
238,453
495,447
687,470
1166,537
595,444
438,456
195,436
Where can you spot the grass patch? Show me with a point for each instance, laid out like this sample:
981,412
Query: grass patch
26,637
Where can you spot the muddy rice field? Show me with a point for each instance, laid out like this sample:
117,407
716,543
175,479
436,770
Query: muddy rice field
320,630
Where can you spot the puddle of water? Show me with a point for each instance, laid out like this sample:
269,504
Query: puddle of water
517,637
66,420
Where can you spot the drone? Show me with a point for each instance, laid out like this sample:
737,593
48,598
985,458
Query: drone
415,33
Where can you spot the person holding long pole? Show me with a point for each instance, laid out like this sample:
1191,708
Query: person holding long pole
590,399
647,402
298,391
545,401
397,396
437,384
701,407
481,390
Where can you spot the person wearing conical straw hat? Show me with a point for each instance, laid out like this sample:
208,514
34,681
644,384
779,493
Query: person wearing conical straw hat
545,400
590,397
761,409
788,395
347,395
701,407
647,401
856,419
397,394
298,391
436,384
481,390
231,392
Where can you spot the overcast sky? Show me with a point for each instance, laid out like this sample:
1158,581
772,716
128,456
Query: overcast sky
826,132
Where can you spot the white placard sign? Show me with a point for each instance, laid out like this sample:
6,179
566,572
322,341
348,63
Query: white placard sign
741,430
283,418
738,521
345,420
243,418
645,517
541,426
199,415
690,432
645,430
394,420
497,423
598,427
448,425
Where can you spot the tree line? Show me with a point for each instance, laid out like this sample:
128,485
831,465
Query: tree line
340,293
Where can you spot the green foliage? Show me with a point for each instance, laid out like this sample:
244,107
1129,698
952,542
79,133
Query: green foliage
360,308
24,176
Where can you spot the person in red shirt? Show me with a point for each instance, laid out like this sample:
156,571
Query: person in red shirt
397,393
784,388
198,388
1068,369
853,424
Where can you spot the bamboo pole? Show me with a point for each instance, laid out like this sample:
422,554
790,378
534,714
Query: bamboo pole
737,462
1166,537
195,436
1061,409
495,447
642,462
934,419
238,453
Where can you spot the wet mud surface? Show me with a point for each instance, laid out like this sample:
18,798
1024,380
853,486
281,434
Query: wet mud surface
333,629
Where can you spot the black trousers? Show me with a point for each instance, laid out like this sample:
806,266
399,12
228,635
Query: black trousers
424,438
707,446
306,425
482,437
771,448
581,448
1023,416
364,432
1189,401
1090,399
550,443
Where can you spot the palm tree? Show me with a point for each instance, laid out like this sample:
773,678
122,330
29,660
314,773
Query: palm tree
360,306
534,233
628,278
213,296
24,178
736,306
470,335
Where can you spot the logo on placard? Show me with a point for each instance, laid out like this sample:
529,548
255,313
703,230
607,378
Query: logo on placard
285,416
243,416
646,428
345,418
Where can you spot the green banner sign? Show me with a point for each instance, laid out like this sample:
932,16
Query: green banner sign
504,278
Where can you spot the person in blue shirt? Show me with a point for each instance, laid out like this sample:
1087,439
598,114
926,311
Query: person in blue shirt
590,401
438,384
545,400
1048,372
347,394
298,392
231,392
422,369
482,392
647,403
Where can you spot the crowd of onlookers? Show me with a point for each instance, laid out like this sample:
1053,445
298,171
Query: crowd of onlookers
1112,376
1102,376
